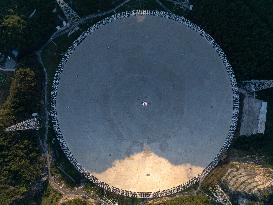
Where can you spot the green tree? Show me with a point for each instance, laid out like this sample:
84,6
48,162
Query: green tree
75,202
20,159
24,93
12,30
184,200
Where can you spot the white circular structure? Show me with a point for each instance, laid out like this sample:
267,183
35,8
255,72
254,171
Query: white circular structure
144,103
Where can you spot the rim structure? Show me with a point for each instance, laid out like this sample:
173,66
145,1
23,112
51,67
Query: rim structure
232,128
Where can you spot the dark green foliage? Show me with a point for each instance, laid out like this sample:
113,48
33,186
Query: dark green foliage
50,196
20,162
75,202
18,31
12,29
85,7
140,5
260,145
24,94
122,200
185,200
262,8
41,25
269,200
5,79
242,33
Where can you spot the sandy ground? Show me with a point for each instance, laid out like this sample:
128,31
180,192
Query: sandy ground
163,63
147,171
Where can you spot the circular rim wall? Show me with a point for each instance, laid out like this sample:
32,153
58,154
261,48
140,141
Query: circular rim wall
229,71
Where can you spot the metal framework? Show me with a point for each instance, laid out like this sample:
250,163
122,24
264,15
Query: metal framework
220,196
71,16
229,136
30,124
256,85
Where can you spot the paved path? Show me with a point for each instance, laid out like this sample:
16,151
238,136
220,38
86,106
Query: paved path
44,141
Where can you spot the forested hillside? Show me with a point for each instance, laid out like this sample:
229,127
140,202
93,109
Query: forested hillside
20,158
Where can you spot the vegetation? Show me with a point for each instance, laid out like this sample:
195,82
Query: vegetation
12,29
268,200
135,5
21,31
85,7
95,192
50,196
20,159
243,33
76,202
185,200
215,176
5,79
256,145
263,9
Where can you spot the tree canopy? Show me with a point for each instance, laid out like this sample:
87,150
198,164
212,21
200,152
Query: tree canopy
20,159
12,30
20,31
